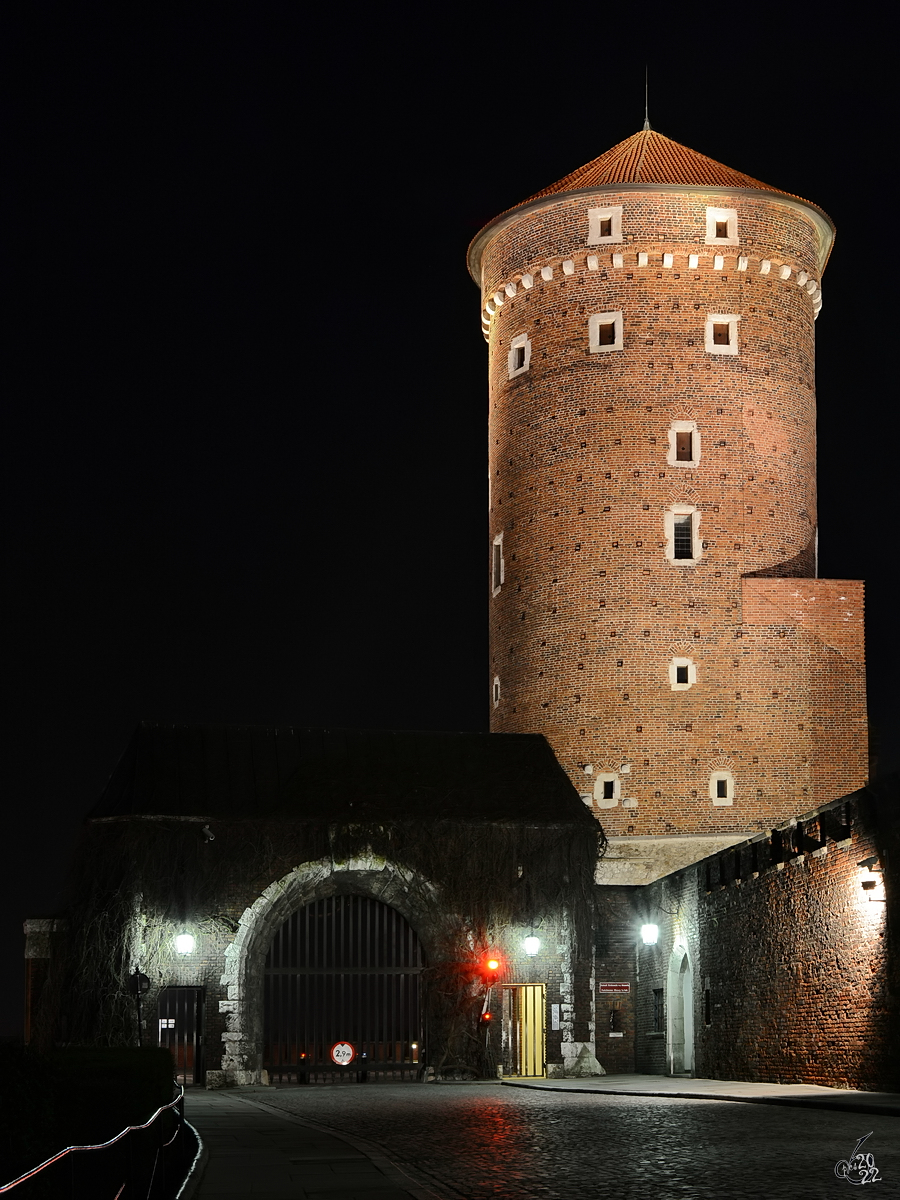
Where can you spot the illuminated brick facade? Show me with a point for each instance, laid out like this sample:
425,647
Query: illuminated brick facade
654,606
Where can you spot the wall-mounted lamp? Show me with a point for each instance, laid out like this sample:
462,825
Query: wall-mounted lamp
650,934
185,943
869,886
531,945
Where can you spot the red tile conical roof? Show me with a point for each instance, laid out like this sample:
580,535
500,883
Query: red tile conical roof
649,157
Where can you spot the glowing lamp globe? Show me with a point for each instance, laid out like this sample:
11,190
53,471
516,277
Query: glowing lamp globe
185,943
493,964
650,934
531,945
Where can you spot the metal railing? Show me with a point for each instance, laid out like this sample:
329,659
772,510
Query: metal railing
141,1163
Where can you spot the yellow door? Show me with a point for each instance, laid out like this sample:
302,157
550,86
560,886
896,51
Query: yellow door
523,1030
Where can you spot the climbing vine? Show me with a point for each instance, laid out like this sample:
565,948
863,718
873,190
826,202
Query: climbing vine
133,879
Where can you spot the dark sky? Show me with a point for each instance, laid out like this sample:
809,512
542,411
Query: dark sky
244,437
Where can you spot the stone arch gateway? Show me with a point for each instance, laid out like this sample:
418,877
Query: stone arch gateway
363,900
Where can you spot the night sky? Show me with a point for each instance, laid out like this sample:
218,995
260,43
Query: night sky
244,434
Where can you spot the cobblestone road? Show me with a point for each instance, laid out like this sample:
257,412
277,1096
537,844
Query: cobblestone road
485,1140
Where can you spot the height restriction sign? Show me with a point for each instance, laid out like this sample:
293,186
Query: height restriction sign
343,1053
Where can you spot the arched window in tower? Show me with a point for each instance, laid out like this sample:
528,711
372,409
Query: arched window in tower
519,357
605,332
682,529
604,225
721,333
684,444
497,564
721,227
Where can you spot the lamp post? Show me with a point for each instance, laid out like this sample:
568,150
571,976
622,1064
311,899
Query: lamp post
137,985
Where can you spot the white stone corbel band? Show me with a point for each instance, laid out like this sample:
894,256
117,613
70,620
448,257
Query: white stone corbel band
617,261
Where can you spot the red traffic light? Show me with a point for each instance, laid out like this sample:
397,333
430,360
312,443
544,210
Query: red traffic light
486,1017
493,964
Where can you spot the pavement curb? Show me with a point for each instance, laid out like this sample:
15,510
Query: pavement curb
392,1172
194,1177
825,1102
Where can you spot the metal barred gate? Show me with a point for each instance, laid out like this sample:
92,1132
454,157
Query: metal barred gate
180,1030
343,969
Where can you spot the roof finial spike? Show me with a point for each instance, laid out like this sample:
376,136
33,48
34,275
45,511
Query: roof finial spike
646,99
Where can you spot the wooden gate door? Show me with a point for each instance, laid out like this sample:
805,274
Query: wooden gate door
179,1022
343,969
523,1030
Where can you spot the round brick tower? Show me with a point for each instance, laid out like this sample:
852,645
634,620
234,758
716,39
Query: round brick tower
654,606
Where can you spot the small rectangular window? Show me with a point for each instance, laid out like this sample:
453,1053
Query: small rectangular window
606,334
722,788
518,358
608,789
721,226
659,1012
604,225
721,332
683,536
681,674
496,570
684,446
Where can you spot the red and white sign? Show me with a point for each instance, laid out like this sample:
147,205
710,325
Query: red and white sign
617,989
343,1053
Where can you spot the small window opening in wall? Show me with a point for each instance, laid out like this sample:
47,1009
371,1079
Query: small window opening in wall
684,445
519,357
721,333
721,229
497,564
721,788
609,789
683,539
496,690
604,227
659,1012
605,332
682,674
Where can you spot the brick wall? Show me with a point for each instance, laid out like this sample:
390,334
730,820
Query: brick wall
618,917
590,612
792,952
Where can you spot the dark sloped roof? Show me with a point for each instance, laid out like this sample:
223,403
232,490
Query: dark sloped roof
342,774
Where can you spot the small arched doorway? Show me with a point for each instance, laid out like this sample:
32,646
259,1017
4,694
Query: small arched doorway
344,968
680,1033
